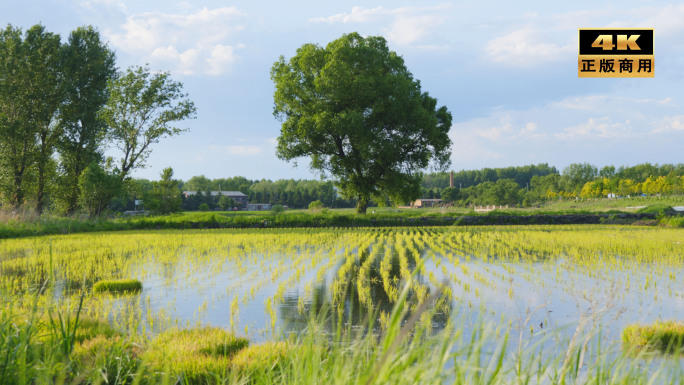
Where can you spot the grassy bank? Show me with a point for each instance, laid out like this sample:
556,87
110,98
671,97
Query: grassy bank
580,212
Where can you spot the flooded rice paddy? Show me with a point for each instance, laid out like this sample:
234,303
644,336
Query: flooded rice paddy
540,283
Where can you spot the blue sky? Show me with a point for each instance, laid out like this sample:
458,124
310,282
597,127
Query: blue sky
507,71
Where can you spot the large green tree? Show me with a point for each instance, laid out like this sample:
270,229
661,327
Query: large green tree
576,175
87,64
354,108
45,93
31,91
143,108
17,143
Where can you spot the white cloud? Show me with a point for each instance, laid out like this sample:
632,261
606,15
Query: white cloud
523,48
554,38
221,57
570,130
194,43
667,20
571,121
529,128
669,124
598,102
357,15
238,150
602,127
93,4
407,29
403,26
465,148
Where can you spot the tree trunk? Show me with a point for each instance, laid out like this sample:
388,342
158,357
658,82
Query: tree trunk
40,194
362,204
17,198
43,159
73,190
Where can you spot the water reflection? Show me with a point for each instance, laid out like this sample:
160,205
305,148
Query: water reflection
346,309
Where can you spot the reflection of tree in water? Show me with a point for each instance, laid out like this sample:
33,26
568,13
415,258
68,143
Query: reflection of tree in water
325,309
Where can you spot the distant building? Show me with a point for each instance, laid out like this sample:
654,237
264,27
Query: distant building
422,203
259,206
237,196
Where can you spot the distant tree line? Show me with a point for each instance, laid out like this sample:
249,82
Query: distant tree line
60,104
467,178
286,192
540,183
532,184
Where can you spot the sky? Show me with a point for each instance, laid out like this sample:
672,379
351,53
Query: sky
507,71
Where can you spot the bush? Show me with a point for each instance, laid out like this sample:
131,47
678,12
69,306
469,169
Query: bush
277,209
673,222
264,357
658,208
664,336
92,359
203,207
198,355
98,187
316,206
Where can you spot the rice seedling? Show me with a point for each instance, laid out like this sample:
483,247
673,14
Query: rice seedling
118,286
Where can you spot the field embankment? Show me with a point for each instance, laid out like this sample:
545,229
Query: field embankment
48,225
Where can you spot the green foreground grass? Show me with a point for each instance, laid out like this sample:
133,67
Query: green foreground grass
36,349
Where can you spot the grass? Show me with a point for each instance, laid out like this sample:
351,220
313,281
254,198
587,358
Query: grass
26,223
658,208
405,353
118,286
197,355
662,336
606,204
673,221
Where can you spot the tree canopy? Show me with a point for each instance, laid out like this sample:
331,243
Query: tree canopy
142,109
354,108
87,64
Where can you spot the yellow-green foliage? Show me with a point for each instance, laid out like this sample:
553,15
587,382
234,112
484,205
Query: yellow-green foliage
48,327
664,336
265,356
118,286
196,354
89,328
105,359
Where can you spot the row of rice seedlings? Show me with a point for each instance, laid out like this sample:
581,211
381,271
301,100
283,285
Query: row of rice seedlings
389,282
364,274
